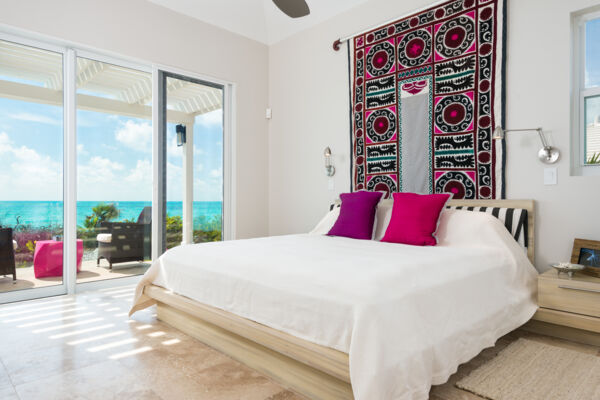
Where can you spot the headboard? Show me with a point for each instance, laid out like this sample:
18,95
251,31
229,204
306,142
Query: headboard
528,205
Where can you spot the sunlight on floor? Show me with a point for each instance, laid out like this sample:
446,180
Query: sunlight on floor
88,343
130,353
79,332
66,314
94,338
112,344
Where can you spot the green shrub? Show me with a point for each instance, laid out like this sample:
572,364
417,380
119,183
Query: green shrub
210,229
26,237
174,231
101,213
593,159
201,236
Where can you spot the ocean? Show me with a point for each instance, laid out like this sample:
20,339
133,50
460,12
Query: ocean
39,214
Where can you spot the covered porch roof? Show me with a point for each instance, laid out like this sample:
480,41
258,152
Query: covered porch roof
36,75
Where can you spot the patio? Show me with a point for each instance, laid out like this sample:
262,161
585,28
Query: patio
89,273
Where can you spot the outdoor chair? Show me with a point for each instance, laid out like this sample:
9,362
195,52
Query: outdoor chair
7,253
125,241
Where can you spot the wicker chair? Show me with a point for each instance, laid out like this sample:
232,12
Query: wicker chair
7,253
126,241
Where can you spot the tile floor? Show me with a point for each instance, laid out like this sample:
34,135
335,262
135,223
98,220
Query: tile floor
86,347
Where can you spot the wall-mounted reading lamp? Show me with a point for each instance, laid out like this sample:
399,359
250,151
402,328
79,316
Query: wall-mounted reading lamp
180,129
547,154
329,168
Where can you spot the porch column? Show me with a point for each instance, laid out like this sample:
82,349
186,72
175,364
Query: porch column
188,184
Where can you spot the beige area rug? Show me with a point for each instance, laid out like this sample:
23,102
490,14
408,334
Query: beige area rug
529,370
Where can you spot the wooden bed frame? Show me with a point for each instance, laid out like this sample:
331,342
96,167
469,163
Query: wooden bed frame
314,371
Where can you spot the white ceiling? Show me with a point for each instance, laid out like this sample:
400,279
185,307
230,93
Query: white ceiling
260,20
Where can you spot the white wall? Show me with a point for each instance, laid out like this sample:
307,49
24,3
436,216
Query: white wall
308,91
142,30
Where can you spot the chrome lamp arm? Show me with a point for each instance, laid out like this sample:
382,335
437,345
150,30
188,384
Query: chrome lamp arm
547,154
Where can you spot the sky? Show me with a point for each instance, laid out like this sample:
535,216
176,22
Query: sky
114,155
592,67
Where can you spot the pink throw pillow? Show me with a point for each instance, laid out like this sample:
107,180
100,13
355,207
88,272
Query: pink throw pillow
415,218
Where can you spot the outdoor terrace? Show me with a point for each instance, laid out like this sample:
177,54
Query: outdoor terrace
89,273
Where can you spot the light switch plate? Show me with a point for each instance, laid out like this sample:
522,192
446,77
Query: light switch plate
550,176
330,184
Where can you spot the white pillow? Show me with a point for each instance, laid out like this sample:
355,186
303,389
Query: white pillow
326,223
462,227
104,237
382,219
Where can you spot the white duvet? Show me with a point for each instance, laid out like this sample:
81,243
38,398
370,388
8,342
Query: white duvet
406,315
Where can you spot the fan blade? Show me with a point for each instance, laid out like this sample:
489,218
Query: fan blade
293,8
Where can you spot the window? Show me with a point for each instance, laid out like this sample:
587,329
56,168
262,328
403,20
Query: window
585,158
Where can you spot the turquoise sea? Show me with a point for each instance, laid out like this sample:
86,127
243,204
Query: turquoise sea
50,213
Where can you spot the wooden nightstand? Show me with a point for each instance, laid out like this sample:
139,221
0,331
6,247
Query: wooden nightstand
569,307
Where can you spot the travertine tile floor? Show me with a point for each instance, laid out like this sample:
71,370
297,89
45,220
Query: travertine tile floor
86,347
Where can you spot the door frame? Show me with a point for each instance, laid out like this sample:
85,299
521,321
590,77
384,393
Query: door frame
159,76
62,288
70,52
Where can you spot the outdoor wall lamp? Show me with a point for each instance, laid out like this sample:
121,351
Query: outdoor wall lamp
547,154
180,129
329,168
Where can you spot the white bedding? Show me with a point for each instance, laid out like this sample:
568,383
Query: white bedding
407,315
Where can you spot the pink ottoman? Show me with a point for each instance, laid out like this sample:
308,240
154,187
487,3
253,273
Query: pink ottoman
48,258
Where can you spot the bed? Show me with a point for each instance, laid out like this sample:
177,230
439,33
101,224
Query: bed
336,318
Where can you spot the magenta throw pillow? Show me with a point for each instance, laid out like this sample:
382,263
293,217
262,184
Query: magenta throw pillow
357,215
415,218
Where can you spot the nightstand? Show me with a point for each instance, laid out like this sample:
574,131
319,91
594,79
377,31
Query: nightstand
569,307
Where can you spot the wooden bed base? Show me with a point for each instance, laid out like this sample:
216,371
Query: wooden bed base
314,371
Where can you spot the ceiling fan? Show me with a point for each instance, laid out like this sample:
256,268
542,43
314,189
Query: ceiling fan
293,8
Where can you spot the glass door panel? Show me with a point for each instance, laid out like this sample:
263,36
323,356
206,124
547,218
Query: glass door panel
194,161
114,170
208,176
31,168
174,205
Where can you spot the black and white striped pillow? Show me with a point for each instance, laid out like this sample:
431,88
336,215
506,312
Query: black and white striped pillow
514,219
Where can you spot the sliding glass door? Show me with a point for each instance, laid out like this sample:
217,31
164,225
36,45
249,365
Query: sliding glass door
194,160
104,164
114,170
31,171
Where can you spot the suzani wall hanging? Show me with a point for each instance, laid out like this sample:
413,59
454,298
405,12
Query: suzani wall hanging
427,92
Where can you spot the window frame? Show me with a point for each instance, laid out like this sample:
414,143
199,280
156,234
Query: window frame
579,93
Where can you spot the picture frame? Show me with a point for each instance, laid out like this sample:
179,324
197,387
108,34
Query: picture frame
587,252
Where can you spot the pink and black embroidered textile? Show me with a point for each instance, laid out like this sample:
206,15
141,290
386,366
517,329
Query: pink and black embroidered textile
427,92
